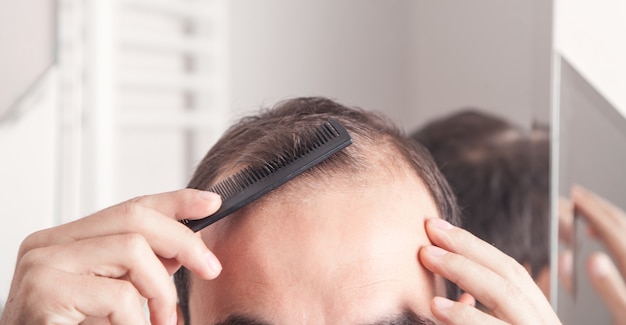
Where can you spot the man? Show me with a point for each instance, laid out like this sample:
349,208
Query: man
500,174
361,238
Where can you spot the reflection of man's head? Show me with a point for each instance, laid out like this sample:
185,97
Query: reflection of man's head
335,245
499,172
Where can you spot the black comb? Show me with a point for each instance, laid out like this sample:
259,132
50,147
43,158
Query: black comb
251,183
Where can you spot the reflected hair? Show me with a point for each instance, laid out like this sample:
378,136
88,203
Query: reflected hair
499,173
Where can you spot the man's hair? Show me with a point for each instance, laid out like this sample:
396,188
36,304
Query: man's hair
500,175
274,132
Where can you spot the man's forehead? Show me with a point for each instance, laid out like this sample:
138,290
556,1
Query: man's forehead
330,251
313,207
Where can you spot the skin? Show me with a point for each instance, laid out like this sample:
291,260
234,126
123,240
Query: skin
607,223
99,269
339,255
349,255
504,286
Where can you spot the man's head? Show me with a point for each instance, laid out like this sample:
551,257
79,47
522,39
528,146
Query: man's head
337,244
499,173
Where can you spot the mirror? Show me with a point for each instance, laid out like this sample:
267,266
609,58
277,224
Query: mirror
591,153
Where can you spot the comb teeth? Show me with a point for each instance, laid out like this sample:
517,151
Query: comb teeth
251,182
248,176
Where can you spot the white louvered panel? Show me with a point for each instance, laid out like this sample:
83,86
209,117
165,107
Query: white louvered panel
151,102
169,49
153,41
166,62
163,102
144,91
197,9
163,62
130,81
149,120
136,19
170,88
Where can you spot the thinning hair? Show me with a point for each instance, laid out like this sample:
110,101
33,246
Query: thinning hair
499,173
274,132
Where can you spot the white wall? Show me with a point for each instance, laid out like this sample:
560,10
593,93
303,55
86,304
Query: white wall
353,51
490,54
414,60
28,150
590,35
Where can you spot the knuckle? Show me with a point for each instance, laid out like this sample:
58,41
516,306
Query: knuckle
462,266
31,282
468,315
191,238
126,294
171,297
31,242
131,206
30,259
134,244
516,269
511,290
192,251
133,212
39,285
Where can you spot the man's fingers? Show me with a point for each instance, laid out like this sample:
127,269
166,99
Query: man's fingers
467,299
488,263
566,221
126,250
83,296
154,217
453,313
609,284
460,241
126,256
182,204
504,298
566,268
607,220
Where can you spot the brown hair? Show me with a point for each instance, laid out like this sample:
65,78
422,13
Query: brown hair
277,131
500,175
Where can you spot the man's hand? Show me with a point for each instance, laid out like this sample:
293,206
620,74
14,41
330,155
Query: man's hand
608,224
103,266
501,284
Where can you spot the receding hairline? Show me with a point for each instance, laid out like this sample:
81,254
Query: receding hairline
374,169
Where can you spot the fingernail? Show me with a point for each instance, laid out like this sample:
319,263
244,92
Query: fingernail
209,196
567,263
435,251
174,320
442,303
601,266
578,191
441,224
214,264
